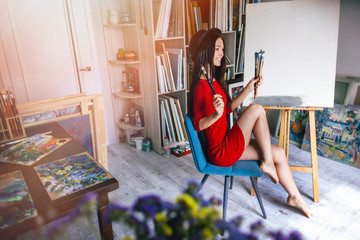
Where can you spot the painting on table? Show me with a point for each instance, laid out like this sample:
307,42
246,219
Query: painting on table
337,134
68,175
32,149
16,202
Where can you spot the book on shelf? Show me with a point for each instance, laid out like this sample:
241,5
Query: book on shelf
197,18
163,75
176,119
172,120
181,116
176,122
168,119
176,62
172,60
167,18
240,51
165,127
160,75
175,21
184,76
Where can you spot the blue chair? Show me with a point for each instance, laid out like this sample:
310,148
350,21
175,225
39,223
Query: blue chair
248,168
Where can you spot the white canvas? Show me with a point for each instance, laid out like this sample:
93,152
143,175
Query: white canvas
300,43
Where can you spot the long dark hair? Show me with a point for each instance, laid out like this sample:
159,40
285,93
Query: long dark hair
202,49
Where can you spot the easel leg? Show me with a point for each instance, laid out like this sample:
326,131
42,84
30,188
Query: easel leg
314,164
285,131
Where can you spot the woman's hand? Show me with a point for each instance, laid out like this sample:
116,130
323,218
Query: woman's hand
218,105
251,84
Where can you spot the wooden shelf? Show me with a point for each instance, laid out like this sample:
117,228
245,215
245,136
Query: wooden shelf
169,38
124,62
129,127
120,25
126,36
127,95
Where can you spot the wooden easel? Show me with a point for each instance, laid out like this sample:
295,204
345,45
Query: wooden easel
284,142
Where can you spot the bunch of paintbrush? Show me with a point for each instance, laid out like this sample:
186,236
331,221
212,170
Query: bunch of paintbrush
10,125
259,62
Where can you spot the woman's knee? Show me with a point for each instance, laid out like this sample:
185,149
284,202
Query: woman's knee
256,108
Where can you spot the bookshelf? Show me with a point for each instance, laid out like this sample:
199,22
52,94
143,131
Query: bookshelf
122,44
160,47
229,17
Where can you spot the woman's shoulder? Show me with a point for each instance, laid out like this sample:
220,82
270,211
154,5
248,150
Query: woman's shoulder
202,85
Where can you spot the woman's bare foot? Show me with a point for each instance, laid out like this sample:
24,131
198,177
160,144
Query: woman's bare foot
299,202
270,169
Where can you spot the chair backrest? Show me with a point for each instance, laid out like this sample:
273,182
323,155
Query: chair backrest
197,144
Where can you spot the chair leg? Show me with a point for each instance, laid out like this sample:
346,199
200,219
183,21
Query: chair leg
231,182
202,183
226,192
258,196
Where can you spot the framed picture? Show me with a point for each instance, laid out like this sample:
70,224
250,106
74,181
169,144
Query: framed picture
234,89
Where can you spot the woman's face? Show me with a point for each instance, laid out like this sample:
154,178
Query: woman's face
219,52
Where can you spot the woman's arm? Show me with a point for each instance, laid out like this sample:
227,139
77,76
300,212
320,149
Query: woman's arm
244,92
206,122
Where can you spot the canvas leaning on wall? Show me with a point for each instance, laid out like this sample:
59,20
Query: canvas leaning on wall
234,90
337,134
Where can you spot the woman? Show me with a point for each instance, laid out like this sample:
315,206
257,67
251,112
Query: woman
226,146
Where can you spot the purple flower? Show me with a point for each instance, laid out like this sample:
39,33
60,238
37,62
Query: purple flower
295,236
150,205
256,226
278,235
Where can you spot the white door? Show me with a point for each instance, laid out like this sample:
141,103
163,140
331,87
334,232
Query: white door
48,42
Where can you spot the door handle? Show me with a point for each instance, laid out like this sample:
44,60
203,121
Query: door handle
88,69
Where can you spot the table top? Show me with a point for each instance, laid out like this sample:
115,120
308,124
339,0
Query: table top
44,205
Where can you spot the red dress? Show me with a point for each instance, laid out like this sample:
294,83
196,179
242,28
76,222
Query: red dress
224,146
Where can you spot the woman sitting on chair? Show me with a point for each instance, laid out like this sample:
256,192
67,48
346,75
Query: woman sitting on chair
209,112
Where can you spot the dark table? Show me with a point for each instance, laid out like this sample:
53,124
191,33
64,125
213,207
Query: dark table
48,210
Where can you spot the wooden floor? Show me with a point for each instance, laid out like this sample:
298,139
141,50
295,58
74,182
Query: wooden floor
337,215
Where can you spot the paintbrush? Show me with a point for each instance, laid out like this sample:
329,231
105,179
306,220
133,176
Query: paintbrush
207,78
9,112
12,101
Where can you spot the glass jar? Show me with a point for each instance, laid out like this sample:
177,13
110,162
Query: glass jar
113,17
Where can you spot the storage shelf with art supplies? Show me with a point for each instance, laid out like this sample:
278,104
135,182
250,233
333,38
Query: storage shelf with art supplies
165,68
121,34
11,124
181,150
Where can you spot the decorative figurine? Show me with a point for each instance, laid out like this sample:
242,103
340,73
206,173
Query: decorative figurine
137,118
121,54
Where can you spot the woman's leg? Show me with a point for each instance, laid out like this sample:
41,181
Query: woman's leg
253,121
253,151
287,181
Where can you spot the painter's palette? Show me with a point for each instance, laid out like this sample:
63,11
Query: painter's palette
68,175
16,203
32,149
